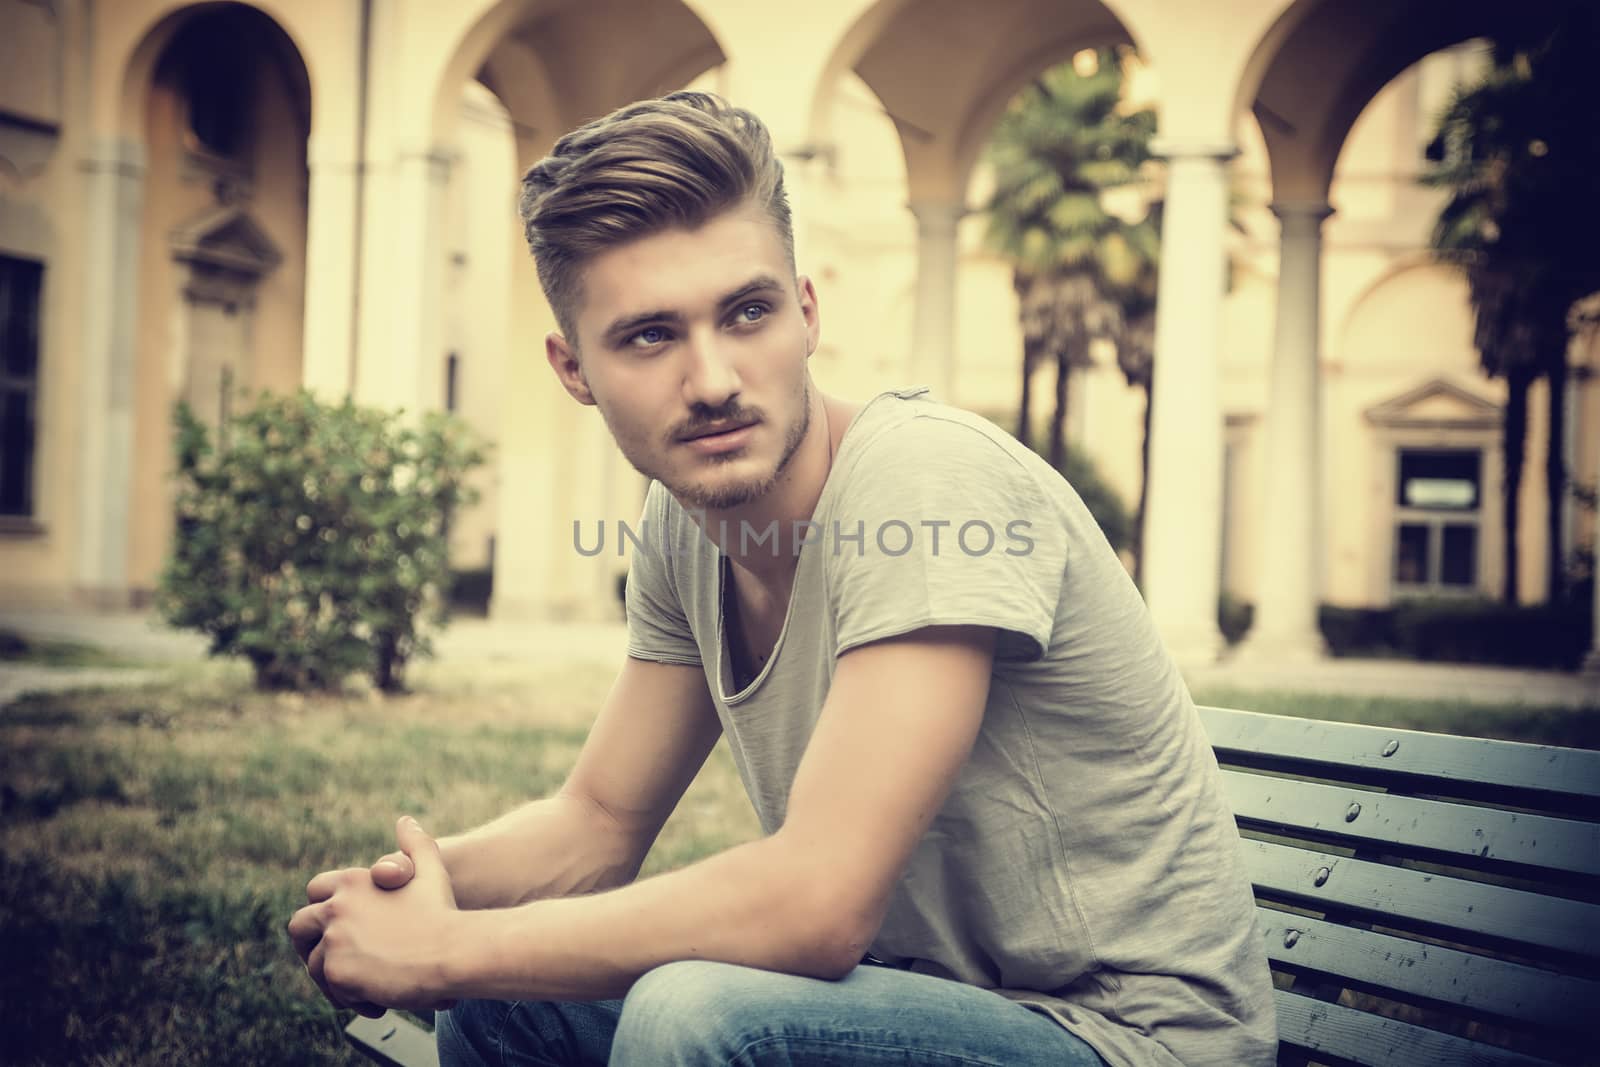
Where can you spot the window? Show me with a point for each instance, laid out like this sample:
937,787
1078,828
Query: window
1438,507
19,374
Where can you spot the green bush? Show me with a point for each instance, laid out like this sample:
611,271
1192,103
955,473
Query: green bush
1234,617
1450,630
1115,521
1364,632
1486,631
311,537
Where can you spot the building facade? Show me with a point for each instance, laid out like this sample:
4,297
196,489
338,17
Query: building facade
202,199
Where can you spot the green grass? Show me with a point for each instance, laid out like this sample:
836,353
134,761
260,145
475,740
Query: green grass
154,841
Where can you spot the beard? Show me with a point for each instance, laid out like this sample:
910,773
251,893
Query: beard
721,497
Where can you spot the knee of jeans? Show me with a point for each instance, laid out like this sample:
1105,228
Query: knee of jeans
690,1011
465,1034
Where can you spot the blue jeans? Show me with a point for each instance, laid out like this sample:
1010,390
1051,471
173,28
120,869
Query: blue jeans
697,1014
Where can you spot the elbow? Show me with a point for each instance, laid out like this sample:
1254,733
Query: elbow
834,934
819,919
833,962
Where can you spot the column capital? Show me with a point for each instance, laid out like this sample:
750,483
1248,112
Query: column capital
937,215
1181,148
434,160
115,154
1313,210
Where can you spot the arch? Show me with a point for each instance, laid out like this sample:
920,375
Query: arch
845,55
561,25
988,108
149,44
1321,63
984,55
1419,267
220,244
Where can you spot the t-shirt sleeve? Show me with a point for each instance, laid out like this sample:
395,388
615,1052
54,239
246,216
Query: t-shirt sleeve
940,525
658,628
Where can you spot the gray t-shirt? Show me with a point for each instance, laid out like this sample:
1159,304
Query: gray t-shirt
1085,862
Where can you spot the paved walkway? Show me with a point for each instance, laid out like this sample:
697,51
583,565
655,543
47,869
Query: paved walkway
140,638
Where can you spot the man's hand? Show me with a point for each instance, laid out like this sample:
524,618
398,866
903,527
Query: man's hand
367,942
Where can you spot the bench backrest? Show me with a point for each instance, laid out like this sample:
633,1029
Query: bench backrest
1424,899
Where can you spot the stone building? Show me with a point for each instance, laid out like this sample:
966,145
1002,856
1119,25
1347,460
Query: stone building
202,198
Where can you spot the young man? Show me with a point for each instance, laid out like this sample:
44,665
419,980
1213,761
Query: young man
993,828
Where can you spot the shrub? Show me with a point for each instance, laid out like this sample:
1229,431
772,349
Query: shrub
311,537
1447,630
1102,501
1486,631
1234,617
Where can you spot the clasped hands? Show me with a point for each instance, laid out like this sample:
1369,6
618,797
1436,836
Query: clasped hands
376,938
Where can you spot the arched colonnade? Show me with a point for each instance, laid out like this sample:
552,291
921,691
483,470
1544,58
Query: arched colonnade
385,79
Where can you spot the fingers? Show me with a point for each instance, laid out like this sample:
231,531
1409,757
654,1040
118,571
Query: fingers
323,885
393,871
305,929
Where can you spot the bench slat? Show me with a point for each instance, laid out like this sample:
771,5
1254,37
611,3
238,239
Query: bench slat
1407,968
1573,773
393,1040
1390,893
1406,822
1334,1030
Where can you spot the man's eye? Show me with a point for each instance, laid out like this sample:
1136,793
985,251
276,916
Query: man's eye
752,313
649,337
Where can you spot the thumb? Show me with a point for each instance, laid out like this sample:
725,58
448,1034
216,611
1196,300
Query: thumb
422,849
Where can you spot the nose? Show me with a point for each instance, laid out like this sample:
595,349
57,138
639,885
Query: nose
709,377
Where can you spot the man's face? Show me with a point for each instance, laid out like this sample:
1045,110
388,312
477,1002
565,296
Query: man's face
693,344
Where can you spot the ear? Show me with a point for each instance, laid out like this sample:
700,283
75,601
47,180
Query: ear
808,308
564,361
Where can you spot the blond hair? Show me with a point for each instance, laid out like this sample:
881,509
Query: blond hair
671,162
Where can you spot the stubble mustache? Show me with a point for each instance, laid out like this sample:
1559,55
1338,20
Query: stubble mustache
705,418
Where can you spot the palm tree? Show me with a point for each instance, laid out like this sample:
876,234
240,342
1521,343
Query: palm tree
1518,152
1060,145
1131,259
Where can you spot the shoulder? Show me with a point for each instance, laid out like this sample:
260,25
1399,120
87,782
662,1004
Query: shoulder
910,441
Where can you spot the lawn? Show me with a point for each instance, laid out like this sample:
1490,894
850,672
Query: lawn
154,841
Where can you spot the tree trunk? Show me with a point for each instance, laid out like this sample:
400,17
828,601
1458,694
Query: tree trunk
1555,474
1513,446
1058,421
1144,488
1025,403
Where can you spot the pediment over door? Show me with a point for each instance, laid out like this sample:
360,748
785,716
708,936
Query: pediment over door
228,253
1439,404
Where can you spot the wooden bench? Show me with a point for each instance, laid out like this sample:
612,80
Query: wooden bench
1424,899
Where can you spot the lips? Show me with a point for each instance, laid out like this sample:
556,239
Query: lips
714,429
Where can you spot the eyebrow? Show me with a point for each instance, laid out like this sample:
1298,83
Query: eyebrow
628,324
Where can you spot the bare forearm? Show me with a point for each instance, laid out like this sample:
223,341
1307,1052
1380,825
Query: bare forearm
556,847
751,905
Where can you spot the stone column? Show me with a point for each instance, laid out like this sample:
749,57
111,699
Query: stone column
328,350
933,339
113,169
1183,531
1288,585
399,362
1591,663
